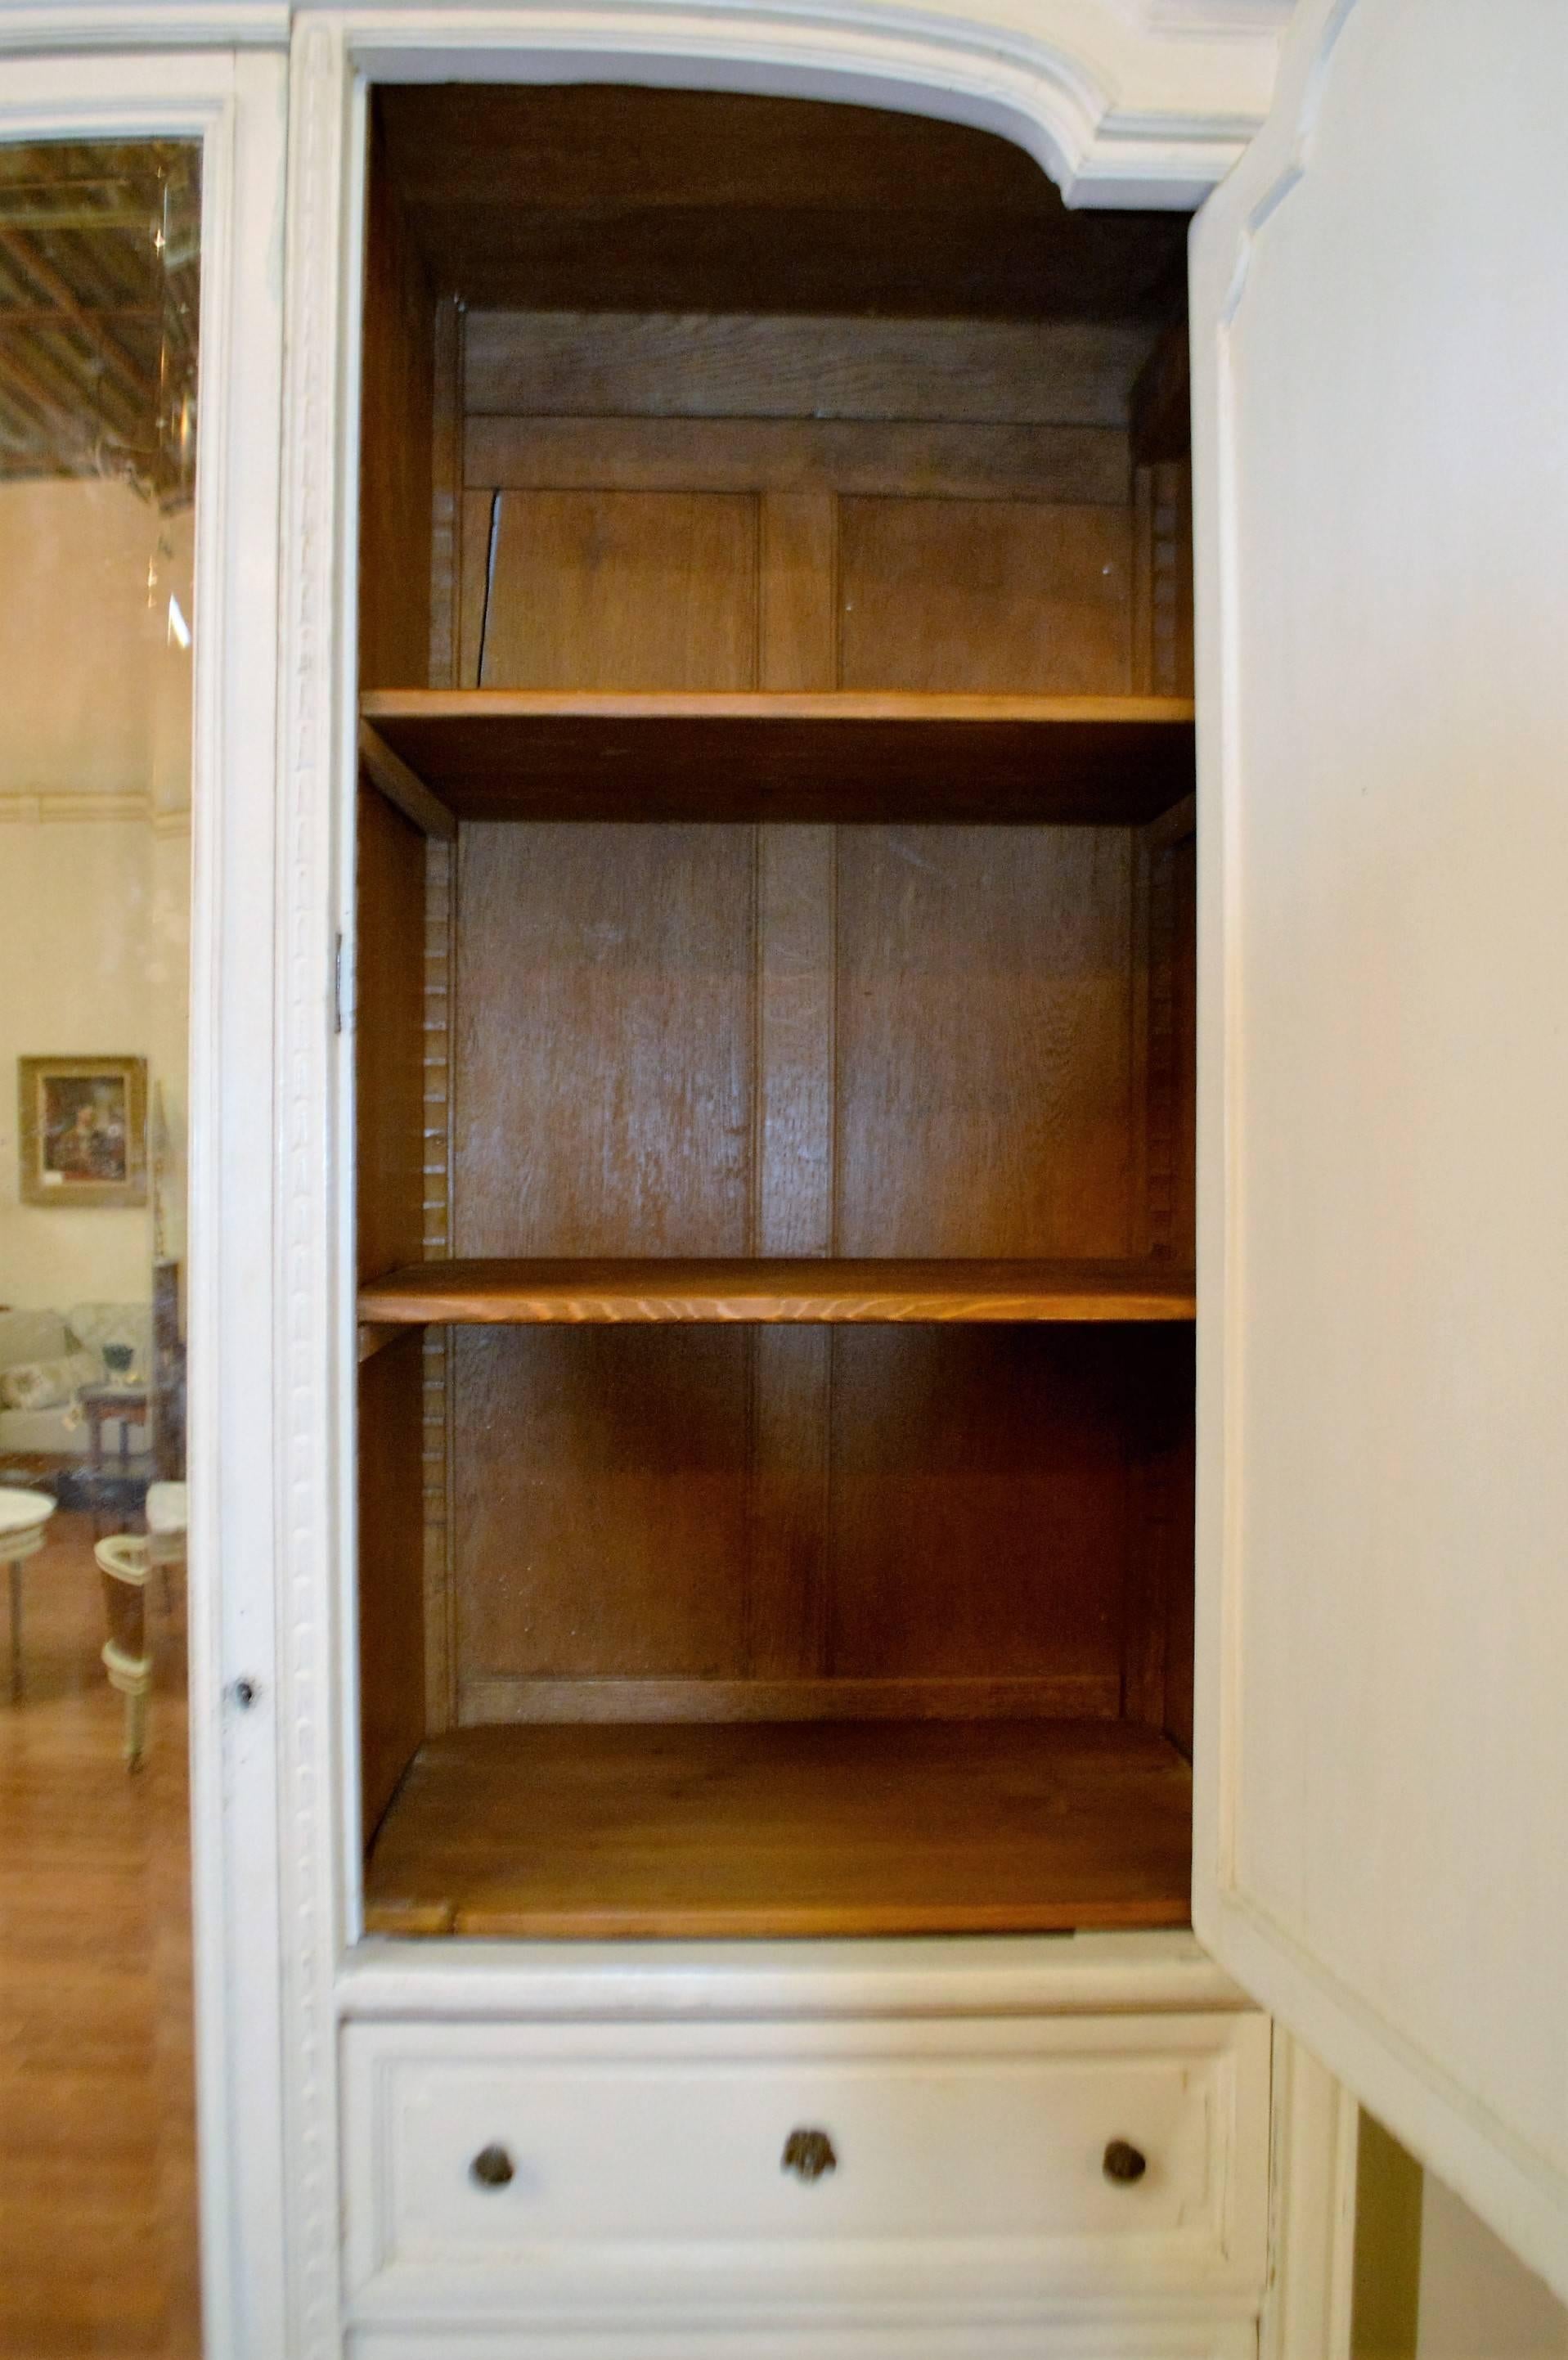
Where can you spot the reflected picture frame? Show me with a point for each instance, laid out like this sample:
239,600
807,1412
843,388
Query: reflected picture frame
83,1132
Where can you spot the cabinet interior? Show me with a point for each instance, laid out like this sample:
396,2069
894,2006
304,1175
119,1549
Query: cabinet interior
774,1027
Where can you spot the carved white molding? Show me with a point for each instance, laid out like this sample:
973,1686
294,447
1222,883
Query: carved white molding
312,1776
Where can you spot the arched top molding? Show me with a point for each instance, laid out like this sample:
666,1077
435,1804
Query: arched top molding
1121,102
1057,86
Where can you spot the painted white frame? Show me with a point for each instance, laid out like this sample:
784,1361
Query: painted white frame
234,105
968,72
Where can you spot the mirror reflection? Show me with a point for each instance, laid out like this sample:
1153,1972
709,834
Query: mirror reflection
99,261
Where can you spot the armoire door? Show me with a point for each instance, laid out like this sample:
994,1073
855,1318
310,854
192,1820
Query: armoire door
1380,330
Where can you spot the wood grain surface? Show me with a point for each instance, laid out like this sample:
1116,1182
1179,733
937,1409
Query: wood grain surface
631,591
397,434
554,196
510,754
1161,411
782,1828
447,438
740,365
605,1041
930,459
622,590
985,598
392,1571
1006,1696
981,1077
941,1503
980,1513
403,788
642,1289
603,1501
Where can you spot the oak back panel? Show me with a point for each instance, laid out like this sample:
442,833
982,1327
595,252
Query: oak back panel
983,1022
990,596
722,1039
952,1512
626,590
606,1008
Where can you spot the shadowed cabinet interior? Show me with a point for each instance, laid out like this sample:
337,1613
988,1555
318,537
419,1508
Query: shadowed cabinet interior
775,1028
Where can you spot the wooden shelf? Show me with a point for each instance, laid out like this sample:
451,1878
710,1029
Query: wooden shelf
497,754
819,1292
785,1828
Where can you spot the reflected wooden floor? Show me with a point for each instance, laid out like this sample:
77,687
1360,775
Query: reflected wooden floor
97,2177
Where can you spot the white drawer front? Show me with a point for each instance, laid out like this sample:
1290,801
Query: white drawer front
647,2163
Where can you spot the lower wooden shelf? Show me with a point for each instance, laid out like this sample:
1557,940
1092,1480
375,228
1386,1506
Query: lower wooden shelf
785,1828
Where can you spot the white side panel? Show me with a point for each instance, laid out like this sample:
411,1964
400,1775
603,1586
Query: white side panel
1380,358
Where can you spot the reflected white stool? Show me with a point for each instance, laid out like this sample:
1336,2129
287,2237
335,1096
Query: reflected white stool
125,1560
23,1516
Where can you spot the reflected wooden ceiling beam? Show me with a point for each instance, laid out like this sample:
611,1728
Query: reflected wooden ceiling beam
57,421
14,316
24,211
111,350
91,398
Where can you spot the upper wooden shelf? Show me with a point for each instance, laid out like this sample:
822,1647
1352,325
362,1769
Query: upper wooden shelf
515,1293
499,754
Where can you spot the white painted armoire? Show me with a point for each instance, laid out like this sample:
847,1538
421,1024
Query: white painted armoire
568,2149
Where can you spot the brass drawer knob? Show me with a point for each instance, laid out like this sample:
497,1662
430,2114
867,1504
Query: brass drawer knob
1124,2163
809,2154
491,2168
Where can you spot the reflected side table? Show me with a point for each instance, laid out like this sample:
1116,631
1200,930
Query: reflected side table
23,1518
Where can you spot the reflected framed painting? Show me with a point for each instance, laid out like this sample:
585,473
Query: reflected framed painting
84,1131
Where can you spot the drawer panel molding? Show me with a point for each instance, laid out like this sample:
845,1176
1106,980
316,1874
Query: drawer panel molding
1079,2337
575,2173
